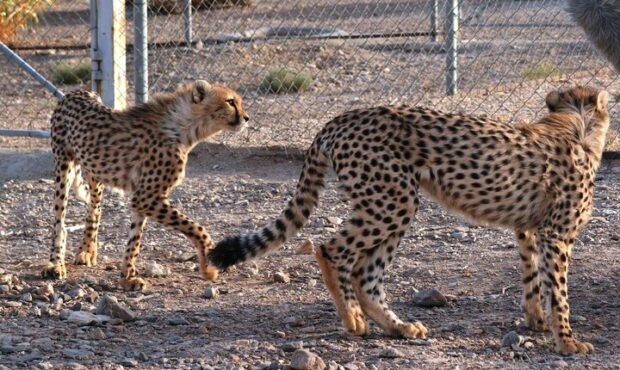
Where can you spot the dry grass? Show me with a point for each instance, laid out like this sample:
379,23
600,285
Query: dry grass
16,14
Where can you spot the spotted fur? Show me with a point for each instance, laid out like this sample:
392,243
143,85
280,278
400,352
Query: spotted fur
142,151
535,178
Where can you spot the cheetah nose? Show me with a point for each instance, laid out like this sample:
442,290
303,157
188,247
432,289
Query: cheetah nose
246,118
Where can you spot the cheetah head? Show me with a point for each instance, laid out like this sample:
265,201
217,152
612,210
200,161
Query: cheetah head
588,102
218,106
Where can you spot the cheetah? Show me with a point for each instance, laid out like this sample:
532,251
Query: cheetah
141,151
535,178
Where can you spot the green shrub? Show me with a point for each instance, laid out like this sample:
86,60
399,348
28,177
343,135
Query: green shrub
70,74
282,80
540,70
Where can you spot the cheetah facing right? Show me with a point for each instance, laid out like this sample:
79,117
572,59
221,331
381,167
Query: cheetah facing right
535,178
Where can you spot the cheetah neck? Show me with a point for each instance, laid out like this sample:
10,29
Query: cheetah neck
182,125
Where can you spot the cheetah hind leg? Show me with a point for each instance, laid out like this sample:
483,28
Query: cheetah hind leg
531,301
350,312
87,253
368,286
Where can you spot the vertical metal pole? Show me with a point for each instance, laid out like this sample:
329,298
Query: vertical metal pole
140,51
187,18
434,20
95,55
451,46
111,43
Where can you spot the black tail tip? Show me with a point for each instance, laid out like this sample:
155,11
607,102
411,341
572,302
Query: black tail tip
226,253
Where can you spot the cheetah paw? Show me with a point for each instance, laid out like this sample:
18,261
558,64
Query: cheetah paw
54,272
355,322
411,330
210,273
572,346
86,258
133,283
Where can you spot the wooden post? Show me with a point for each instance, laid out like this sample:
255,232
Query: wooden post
108,51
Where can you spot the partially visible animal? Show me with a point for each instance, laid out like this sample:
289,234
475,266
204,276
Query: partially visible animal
600,19
536,178
142,151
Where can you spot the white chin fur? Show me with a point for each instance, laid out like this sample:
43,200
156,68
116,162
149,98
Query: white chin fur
240,127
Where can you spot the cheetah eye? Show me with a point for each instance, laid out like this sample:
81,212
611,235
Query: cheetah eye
231,102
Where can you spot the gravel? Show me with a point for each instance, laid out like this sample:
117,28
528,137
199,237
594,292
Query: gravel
259,322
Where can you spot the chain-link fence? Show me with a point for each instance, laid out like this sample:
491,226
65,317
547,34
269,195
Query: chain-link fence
326,56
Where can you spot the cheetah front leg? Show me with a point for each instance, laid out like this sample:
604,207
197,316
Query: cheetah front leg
87,253
56,267
553,269
531,300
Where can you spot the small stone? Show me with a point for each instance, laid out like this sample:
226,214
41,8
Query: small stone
129,362
77,306
307,248
280,277
177,320
26,297
295,321
83,318
76,293
559,364
429,298
312,283
76,353
334,220
292,346
64,314
4,289
510,339
35,311
390,352
143,357
46,290
212,292
33,355
46,365
154,269
577,318
98,333
109,305
305,360
280,334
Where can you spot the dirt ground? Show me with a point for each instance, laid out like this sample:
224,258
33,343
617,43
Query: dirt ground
256,322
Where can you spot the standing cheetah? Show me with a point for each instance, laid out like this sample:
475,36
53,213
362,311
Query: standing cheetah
141,150
535,178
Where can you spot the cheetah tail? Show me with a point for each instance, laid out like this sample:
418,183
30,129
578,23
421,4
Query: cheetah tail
239,248
79,186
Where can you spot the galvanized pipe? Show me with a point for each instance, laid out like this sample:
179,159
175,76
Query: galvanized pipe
451,46
141,51
187,18
10,55
26,133
434,20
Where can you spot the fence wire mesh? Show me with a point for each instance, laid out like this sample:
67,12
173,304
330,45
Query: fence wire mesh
297,64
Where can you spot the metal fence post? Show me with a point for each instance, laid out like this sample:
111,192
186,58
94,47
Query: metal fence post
187,18
140,51
451,46
109,51
434,20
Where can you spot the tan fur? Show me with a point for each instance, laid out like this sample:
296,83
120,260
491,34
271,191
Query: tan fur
142,151
535,178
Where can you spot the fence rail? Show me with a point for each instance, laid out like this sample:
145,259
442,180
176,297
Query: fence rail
496,58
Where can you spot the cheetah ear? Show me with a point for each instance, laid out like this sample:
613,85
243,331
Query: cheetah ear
601,100
200,90
552,100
